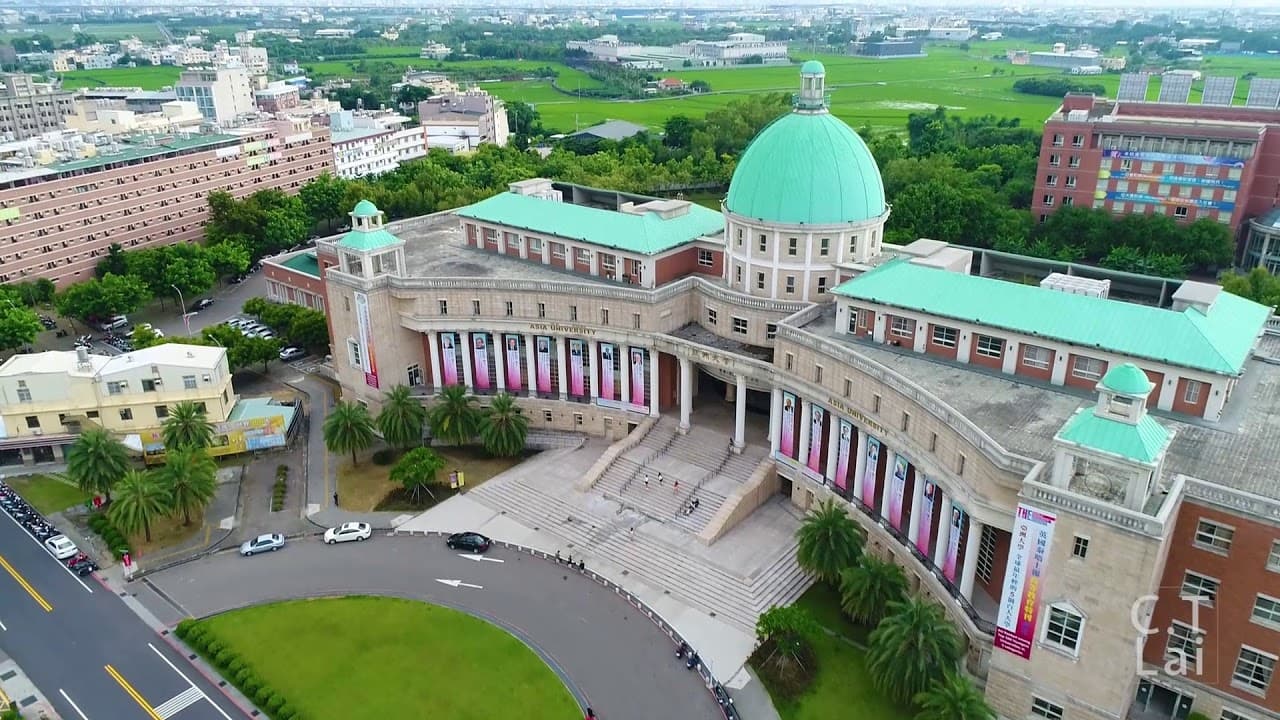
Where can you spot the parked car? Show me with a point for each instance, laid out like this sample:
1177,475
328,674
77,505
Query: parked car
469,541
292,353
263,543
148,326
61,547
238,279
238,322
265,334
115,322
201,304
347,532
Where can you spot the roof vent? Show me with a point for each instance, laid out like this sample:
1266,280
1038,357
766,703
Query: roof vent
82,356
1198,295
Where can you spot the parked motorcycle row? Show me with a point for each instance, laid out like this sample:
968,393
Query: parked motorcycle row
39,528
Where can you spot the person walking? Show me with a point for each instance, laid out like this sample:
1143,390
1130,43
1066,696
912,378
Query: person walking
335,499
675,486
646,479
631,534
660,477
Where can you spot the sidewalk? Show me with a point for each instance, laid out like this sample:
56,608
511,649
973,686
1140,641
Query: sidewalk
15,687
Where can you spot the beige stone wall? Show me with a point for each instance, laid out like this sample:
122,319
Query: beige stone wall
762,485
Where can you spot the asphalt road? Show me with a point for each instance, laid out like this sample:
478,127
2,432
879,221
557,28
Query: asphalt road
612,656
90,655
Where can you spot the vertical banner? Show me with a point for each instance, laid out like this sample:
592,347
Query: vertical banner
898,488
925,524
637,377
1020,598
449,358
606,371
869,475
575,368
480,344
787,442
816,438
842,456
367,362
953,543
514,379
544,363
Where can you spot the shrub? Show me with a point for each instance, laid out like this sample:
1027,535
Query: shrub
249,686
184,628
282,470
234,666
274,703
286,712
385,456
212,648
262,695
223,658
241,676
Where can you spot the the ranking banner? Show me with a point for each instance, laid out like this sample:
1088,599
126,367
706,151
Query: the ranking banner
606,372
1216,160
925,535
953,543
1020,598
543,345
480,345
514,378
449,358
637,377
575,368
897,489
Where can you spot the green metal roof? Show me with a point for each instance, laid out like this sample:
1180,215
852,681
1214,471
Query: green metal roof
304,263
368,240
1144,442
1220,342
1127,379
364,208
807,169
647,234
812,67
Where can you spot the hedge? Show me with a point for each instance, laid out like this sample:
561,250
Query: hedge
235,669
115,540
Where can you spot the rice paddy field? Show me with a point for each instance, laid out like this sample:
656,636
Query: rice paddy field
147,78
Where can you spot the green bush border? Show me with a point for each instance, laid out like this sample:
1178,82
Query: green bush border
280,488
235,670
115,540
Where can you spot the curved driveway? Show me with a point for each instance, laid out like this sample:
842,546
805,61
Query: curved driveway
610,654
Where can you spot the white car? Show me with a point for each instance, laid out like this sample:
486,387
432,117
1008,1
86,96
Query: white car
239,322
292,353
61,547
346,532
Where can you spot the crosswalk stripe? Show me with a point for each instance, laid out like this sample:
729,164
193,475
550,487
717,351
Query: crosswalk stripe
179,702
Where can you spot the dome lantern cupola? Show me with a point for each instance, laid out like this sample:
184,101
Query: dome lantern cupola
813,88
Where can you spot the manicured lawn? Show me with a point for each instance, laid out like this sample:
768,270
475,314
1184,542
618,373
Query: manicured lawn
48,493
823,603
363,657
147,78
362,488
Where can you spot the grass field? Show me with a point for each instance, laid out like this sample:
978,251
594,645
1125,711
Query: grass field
61,32
147,78
47,493
363,657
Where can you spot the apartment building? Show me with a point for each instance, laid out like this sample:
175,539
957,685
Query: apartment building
473,116
373,142
64,201
28,108
222,94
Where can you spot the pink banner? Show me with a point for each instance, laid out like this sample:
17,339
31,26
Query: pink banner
449,358
1020,599
842,456
871,472
575,368
544,363
787,441
816,438
925,526
637,377
480,346
953,543
514,378
606,371
897,488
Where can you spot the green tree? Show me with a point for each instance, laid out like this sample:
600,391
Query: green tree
454,418
246,351
911,648
402,418
102,297
952,698
870,587
1257,285
348,428
830,541
310,330
190,478
503,428
186,427
417,471
228,259
141,499
323,196
18,326
783,633
97,461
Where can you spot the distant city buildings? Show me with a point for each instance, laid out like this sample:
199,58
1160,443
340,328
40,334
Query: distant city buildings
1080,61
738,48
277,97
28,108
888,48
222,95
463,121
435,51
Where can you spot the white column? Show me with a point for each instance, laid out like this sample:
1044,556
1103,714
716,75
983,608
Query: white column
964,344
524,247
917,502
433,349
499,362
833,445
878,327
888,477
594,349
531,362
806,422
464,350
653,384
625,376
502,242
740,414
775,421
859,464
944,531
686,393
559,348
971,545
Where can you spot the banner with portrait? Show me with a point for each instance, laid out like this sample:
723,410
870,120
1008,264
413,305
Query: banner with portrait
870,473
842,456
787,439
515,379
637,377
953,543
449,357
607,369
897,488
480,354
542,343
576,348
925,525
817,439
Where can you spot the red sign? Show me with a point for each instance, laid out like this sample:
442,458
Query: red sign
126,559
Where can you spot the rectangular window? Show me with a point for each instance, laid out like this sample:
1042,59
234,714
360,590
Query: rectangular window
906,422
792,246
509,307
635,321
573,312
1214,536
740,325
1068,201
945,336
1077,141
188,382
771,331
875,403
764,243
848,387
1044,709
444,307
986,553
604,316
353,353
705,258
1232,715
542,310
584,256
960,464
759,281
1047,201
1253,669
162,412
991,347
790,361
791,284
1036,357
903,327
535,245
737,274
1055,160
475,307
24,394
1180,211
1057,139
1063,628
1073,162
1080,547
414,373
824,247
1191,395
817,373
1051,180
711,316
557,251
116,387
33,422
546,416
1184,642
577,418
1087,368
1201,586
126,414
1266,610
1071,181
1273,558
933,442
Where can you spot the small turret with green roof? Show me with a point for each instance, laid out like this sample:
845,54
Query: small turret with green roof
1128,379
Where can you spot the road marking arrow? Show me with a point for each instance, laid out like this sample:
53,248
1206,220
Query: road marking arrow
480,558
458,583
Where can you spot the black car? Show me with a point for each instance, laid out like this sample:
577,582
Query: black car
82,565
201,304
469,541
238,279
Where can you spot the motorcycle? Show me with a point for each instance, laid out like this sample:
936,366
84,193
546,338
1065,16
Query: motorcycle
693,661
684,648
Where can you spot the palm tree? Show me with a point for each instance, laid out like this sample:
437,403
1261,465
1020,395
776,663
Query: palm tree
953,698
454,418
912,647
97,461
190,476
140,499
503,428
348,428
402,418
187,427
830,541
868,588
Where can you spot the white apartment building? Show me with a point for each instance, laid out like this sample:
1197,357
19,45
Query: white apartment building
734,49
464,120
221,94
96,116
372,143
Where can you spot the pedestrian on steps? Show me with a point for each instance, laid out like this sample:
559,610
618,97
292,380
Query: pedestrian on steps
676,486
659,477
646,479
631,534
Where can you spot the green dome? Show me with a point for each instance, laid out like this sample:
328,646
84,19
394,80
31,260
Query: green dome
807,168
812,67
1127,379
364,209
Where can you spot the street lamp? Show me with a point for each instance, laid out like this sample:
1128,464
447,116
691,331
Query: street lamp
186,320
